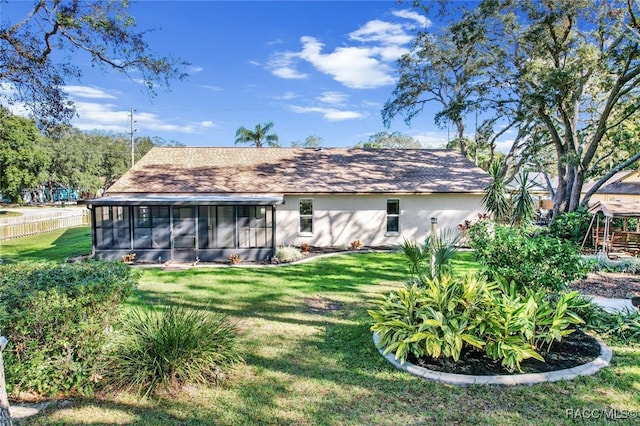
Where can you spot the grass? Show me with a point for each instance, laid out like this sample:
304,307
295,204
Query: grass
52,246
9,213
311,366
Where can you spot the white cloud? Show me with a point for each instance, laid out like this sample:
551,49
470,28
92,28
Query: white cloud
282,65
382,32
332,98
354,67
88,92
194,68
107,117
431,139
214,88
207,124
330,114
422,20
364,62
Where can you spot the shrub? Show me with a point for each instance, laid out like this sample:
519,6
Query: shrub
168,349
536,261
55,318
288,254
571,226
445,315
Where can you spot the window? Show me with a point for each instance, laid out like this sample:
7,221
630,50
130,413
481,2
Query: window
112,227
393,216
306,216
151,227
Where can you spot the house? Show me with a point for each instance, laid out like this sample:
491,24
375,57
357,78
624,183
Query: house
187,203
623,187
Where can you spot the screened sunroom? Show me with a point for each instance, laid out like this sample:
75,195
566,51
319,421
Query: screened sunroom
185,229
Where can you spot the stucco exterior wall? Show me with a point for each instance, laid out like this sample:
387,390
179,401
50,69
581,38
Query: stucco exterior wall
340,219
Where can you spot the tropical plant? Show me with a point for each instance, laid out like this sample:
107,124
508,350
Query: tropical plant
436,319
522,202
416,254
178,346
442,248
259,137
495,198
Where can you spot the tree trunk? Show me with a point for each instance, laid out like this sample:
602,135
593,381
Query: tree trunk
5,418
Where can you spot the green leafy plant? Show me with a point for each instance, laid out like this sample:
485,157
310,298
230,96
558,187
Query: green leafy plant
435,319
522,202
417,255
55,317
530,260
495,198
168,349
571,226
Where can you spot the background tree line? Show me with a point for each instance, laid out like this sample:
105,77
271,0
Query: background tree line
63,156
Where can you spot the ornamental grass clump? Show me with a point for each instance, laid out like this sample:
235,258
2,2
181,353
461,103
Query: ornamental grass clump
169,349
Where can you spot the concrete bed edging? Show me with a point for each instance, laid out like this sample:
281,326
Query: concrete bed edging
588,369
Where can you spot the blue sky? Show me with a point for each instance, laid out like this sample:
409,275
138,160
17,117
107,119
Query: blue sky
321,68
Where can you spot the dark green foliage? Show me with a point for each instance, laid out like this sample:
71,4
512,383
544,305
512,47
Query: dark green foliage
622,327
531,261
55,317
441,317
571,226
171,348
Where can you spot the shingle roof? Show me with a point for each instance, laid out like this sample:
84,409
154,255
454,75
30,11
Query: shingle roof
300,170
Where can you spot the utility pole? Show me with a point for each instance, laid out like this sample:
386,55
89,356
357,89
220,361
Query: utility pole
131,134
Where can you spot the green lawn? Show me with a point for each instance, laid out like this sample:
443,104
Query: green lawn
307,365
51,246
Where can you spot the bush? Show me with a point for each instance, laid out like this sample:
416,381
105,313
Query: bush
288,254
171,348
531,261
444,315
571,226
55,317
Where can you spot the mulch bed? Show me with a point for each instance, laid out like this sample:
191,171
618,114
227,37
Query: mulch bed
576,349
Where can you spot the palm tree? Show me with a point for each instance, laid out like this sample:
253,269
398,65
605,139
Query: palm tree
495,198
258,137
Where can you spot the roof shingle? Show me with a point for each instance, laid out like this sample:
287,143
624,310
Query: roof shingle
185,170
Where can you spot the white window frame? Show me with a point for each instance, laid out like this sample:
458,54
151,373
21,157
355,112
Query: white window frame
392,215
305,216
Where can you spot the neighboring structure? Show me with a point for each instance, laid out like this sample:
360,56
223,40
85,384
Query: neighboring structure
209,203
623,187
607,235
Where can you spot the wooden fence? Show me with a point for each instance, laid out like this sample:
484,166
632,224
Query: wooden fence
17,230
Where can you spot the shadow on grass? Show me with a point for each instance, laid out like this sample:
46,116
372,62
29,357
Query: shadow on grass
55,246
322,368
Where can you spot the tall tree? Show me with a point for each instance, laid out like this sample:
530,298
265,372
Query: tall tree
101,29
259,137
564,74
389,140
443,67
22,160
